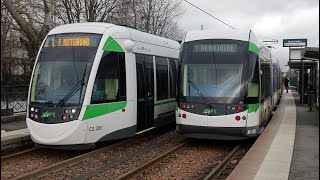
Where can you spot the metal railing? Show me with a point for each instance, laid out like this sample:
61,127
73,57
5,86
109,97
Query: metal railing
13,99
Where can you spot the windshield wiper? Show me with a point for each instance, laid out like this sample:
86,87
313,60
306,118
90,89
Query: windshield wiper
199,92
75,89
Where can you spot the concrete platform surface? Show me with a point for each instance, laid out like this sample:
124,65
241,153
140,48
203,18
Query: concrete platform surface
287,149
14,139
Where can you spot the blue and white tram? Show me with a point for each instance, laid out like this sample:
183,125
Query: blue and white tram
225,86
96,82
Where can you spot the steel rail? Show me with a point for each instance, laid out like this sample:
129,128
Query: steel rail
224,163
11,157
74,160
134,172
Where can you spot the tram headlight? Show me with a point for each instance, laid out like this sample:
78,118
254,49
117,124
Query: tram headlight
66,111
73,110
32,109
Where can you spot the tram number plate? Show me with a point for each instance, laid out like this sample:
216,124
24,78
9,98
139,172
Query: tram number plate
97,128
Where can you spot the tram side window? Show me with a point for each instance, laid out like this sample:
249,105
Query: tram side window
253,86
268,81
265,80
110,82
173,74
162,78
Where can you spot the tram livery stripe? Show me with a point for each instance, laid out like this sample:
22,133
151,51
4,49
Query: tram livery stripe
112,45
253,107
164,102
253,48
96,110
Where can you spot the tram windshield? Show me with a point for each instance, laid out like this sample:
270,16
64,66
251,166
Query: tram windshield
213,80
216,67
63,67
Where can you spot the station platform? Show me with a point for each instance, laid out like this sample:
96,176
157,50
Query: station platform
288,148
14,134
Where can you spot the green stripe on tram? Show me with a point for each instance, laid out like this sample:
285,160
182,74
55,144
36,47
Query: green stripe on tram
253,107
112,45
164,102
253,48
96,110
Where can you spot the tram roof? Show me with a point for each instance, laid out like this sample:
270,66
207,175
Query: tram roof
210,34
117,32
89,27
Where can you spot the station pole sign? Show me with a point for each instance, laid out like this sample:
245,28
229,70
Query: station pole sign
294,42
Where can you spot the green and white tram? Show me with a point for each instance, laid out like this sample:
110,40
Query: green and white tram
225,86
96,82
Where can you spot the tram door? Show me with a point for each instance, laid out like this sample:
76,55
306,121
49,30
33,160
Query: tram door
145,92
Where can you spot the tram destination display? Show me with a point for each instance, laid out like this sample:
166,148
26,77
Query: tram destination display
75,40
214,48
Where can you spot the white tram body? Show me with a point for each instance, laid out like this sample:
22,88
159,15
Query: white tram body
122,82
225,88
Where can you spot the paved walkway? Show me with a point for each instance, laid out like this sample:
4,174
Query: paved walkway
305,159
287,149
14,125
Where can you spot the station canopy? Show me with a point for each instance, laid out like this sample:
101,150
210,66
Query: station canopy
307,57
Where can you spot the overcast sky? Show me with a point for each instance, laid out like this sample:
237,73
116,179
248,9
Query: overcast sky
276,19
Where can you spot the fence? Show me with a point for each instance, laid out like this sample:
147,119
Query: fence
13,99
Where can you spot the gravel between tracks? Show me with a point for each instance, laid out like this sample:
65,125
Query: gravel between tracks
33,161
113,163
194,161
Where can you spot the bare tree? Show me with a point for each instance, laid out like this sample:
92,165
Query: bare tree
33,18
157,17
75,11
5,27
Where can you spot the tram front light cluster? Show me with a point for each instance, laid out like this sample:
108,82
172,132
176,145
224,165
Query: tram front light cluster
34,113
68,114
184,106
33,109
237,107
66,111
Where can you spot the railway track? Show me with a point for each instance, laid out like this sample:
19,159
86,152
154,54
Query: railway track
151,163
18,155
224,163
144,164
71,161
143,168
